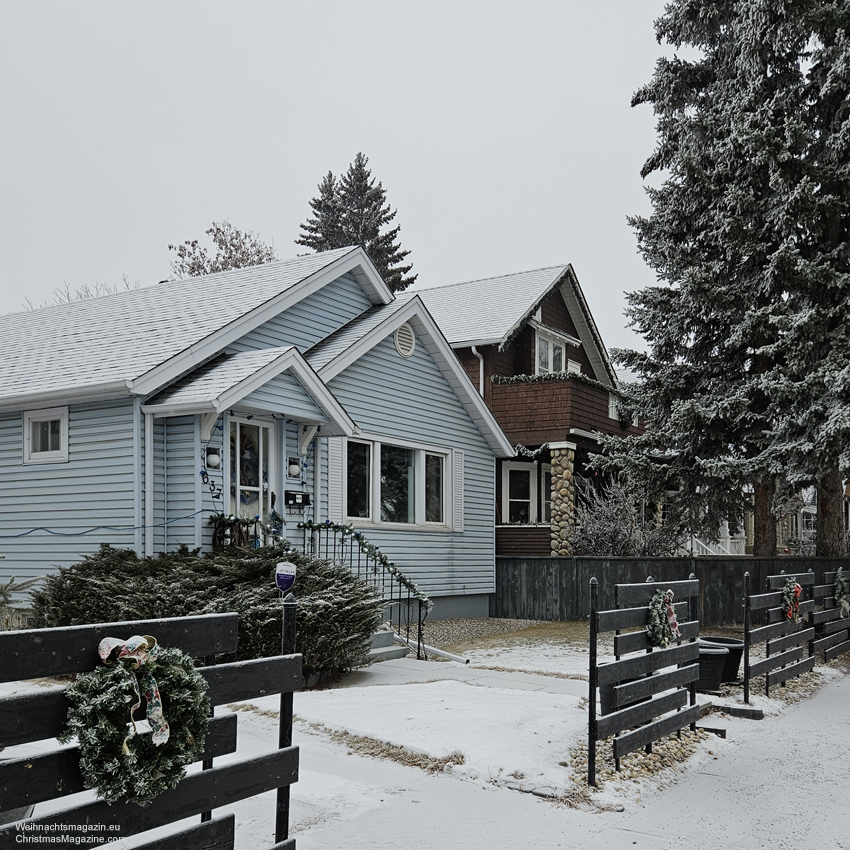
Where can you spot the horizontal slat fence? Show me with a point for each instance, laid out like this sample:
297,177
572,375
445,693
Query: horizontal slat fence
557,588
788,644
639,703
41,715
833,629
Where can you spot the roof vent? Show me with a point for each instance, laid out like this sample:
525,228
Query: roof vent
405,340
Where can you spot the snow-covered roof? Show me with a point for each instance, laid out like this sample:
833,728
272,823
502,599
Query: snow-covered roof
490,311
480,312
136,341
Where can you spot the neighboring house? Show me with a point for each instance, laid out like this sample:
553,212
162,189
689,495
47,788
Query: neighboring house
529,343
132,418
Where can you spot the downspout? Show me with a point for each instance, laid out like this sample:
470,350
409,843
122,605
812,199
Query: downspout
149,484
480,370
138,537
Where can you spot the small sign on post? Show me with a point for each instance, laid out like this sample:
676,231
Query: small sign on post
284,575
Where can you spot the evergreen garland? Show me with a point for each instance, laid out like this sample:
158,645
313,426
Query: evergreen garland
533,454
551,376
98,716
791,599
659,628
841,592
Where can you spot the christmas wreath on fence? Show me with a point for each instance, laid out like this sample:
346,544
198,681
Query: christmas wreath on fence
841,592
791,599
663,626
115,759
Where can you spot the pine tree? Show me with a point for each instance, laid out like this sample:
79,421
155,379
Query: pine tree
733,142
354,211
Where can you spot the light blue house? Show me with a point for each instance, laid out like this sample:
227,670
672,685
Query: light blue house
132,418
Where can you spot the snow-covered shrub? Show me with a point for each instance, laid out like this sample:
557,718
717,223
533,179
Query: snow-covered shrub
337,612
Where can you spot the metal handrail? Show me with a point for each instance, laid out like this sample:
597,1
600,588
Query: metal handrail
342,544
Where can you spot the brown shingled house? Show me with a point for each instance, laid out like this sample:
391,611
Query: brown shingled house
529,343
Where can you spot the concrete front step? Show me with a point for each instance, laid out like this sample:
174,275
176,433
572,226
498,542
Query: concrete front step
383,647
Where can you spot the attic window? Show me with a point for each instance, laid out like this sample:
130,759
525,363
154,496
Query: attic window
405,340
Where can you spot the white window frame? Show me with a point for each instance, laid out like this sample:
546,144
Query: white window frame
420,450
265,500
544,496
551,340
613,411
47,415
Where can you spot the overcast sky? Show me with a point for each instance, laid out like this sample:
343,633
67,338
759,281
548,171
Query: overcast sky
501,131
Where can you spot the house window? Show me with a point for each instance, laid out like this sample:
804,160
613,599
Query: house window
46,435
550,354
250,464
613,412
396,484
526,493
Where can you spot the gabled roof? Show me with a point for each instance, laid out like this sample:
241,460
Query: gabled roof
134,342
227,380
347,345
492,310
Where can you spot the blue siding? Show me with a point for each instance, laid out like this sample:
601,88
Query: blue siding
409,399
95,487
312,319
284,395
182,465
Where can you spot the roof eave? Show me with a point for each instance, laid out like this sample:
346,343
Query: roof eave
77,395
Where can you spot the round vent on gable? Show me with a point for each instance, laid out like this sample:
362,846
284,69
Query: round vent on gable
405,340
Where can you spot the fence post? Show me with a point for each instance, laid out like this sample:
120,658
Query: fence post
592,677
747,638
287,647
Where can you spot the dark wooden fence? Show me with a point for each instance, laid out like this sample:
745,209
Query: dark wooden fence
832,628
639,703
557,588
36,716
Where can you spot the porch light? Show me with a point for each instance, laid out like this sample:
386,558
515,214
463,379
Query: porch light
213,458
294,467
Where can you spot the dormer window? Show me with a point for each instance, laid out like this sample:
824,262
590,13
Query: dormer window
550,353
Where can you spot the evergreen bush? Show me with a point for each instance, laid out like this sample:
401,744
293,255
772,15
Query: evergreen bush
337,612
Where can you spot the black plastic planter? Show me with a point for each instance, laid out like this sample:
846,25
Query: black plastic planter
733,660
711,662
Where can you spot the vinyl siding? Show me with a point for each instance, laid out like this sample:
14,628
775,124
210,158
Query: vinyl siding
285,395
312,319
408,399
94,488
183,466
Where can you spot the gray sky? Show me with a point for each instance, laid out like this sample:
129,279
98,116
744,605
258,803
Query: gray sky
501,131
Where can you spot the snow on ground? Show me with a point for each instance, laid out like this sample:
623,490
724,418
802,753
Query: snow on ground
776,783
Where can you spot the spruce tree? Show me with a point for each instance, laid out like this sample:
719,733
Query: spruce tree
732,149
354,211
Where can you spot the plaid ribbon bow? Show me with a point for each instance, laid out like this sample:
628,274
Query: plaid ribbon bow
135,655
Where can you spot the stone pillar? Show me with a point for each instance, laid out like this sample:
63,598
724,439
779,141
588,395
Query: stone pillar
563,498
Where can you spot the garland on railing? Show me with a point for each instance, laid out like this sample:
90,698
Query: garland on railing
272,526
551,376
371,551
791,599
841,592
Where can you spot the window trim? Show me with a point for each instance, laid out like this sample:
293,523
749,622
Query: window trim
45,415
273,463
420,450
551,339
536,485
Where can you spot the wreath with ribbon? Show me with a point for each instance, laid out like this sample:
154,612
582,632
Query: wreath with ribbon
663,627
131,757
841,592
791,600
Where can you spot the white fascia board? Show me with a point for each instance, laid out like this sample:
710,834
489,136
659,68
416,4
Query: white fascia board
60,398
357,262
415,312
588,435
588,331
468,343
562,271
290,360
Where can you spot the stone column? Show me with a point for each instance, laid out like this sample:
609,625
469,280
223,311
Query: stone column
563,498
